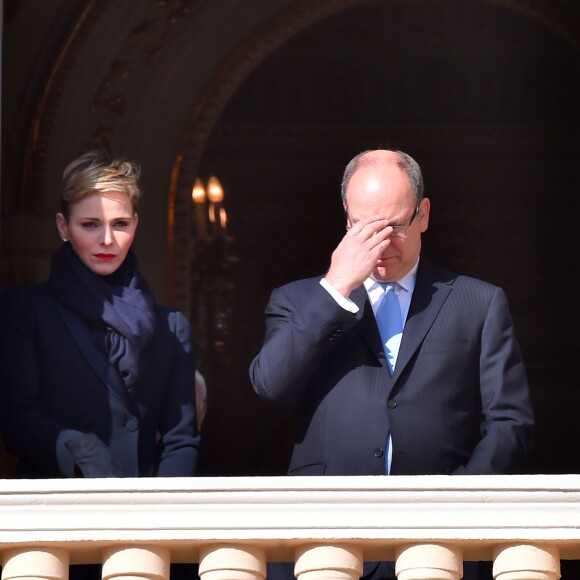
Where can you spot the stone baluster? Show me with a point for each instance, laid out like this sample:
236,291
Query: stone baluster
232,562
328,563
429,562
136,563
526,562
35,563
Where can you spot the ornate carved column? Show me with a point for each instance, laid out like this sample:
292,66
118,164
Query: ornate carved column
429,562
147,562
526,562
328,563
228,562
31,563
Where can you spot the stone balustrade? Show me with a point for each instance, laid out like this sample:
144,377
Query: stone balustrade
326,526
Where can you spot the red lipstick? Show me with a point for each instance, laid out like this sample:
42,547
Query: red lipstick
105,256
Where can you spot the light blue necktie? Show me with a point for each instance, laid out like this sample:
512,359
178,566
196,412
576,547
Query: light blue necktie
390,323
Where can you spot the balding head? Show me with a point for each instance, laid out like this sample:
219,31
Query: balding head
381,158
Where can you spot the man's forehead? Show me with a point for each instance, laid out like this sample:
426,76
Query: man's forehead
374,190
388,170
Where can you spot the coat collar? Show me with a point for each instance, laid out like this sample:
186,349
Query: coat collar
96,358
432,289
367,327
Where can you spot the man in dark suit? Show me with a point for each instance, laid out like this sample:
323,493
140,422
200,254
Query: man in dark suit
445,394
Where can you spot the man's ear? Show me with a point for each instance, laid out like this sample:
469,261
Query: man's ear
424,209
62,227
348,224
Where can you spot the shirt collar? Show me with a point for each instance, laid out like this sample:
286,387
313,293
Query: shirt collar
407,282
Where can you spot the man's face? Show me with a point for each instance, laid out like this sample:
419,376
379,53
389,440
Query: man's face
386,192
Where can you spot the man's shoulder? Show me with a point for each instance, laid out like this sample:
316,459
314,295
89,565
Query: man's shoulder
465,289
456,279
301,285
297,293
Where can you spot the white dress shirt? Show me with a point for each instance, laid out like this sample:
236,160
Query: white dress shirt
376,293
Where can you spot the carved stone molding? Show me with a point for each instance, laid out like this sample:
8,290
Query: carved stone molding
110,103
548,14
31,198
141,47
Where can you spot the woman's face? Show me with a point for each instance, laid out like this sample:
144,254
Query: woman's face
101,229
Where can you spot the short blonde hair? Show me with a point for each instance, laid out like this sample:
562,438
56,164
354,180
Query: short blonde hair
97,171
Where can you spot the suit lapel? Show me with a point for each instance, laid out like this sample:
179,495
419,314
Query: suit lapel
431,292
96,359
367,327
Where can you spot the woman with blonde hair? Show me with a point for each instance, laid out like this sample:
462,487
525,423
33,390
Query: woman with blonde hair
96,379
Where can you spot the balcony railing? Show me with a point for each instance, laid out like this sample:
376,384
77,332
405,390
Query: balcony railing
327,526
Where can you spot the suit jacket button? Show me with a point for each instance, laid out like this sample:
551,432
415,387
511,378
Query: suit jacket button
379,452
392,404
132,424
